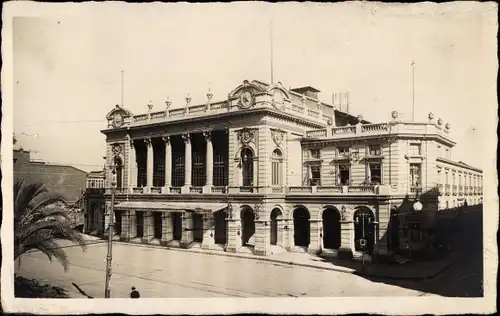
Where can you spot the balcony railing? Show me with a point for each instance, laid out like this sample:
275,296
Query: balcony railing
196,190
155,190
329,189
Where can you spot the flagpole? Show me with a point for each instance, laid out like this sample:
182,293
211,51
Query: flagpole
413,90
271,49
122,88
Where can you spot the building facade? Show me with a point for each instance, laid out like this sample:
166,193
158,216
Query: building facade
94,203
272,169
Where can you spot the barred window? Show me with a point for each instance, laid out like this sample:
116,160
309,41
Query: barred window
159,164
198,172
375,173
247,166
316,175
416,173
141,156
220,167
277,168
178,172
344,176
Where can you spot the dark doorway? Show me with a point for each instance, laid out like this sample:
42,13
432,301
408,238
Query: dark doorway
394,226
158,224
248,225
364,229
197,227
118,222
220,227
177,225
331,229
275,216
247,166
140,224
301,227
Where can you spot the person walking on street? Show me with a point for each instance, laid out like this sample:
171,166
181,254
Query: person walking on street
134,293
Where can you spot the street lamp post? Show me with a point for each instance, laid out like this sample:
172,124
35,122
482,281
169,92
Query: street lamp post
107,290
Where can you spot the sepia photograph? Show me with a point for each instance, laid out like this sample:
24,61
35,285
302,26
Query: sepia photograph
249,157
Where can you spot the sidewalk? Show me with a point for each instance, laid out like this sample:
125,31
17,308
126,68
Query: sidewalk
407,271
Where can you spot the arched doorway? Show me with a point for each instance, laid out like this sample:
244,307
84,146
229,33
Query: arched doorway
247,166
364,229
248,227
331,228
119,172
220,224
301,227
276,217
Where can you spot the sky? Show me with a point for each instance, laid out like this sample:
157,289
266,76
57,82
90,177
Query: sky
67,65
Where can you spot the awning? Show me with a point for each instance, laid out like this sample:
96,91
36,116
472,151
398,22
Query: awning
172,207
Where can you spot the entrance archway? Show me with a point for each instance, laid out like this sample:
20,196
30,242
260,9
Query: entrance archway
301,227
197,227
220,227
248,227
331,228
276,216
157,218
364,228
177,226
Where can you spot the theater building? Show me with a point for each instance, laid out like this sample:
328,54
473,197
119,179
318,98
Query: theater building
272,169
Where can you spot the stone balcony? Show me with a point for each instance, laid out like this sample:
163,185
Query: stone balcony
272,190
395,127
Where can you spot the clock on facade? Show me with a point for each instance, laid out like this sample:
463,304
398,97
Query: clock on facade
117,119
246,99
278,100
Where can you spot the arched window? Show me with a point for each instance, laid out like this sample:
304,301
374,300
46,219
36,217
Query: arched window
119,172
277,168
247,166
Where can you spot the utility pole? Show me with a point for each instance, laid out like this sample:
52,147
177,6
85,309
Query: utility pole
109,256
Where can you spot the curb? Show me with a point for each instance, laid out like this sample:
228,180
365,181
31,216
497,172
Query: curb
264,259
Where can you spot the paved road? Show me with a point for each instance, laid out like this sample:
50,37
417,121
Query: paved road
162,273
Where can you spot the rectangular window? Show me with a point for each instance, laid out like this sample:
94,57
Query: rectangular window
343,151
315,153
375,150
415,150
344,175
375,173
315,175
158,164
415,174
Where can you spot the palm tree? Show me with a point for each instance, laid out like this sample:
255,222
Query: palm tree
40,219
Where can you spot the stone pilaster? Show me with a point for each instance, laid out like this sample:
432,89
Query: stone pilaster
315,230
346,238
208,231
209,162
168,163
187,163
382,233
289,235
132,166
187,229
125,235
148,227
133,224
233,234
166,228
262,235
149,165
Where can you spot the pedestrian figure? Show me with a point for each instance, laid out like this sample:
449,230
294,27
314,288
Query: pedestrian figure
134,293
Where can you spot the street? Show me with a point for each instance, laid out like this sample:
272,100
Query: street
159,273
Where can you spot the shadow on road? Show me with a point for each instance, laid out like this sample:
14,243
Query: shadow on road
459,274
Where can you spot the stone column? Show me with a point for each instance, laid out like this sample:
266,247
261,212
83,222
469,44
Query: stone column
133,224
187,229
168,164
346,238
262,242
166,228
125,235
209,162
149,168
132,166
315,230
148,227
187,163
234,232
281,232
208,231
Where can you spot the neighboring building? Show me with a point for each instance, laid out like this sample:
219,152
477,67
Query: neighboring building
273,169
65,180
94,203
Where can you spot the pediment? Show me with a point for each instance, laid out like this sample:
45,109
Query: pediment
118,116
256,86
118,109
